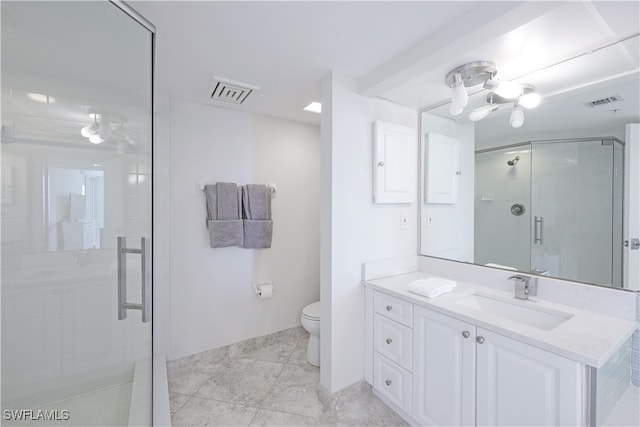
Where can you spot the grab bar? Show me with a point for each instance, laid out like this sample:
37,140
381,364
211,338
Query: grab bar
145,260
538,229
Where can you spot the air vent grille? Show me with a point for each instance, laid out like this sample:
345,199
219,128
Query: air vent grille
230,91
606,103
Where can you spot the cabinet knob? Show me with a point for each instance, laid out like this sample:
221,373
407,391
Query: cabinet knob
466,334
388,382
381,163
389,340
480,340
389,308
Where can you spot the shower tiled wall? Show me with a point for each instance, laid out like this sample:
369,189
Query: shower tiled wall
612,382
635,349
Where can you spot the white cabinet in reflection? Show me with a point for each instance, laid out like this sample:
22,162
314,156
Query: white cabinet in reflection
79,235
442,169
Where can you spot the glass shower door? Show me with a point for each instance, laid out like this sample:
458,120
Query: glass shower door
502,207
76,215
573,203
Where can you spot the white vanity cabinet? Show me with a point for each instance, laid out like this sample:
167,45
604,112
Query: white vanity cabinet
392,344
518,384
444,372
464,375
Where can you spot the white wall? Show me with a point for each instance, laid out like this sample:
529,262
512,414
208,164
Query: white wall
211,289
632,205
161,223
451,235
354,229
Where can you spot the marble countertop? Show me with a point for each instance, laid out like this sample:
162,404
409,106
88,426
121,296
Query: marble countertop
587,337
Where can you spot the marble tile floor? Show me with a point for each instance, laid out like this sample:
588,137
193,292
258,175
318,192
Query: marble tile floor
108,406
266,381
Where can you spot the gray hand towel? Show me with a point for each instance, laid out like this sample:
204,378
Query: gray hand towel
257,234
211,198
224,204
223,233
227,200
256,202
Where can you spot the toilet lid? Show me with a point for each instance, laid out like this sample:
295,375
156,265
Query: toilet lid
312,311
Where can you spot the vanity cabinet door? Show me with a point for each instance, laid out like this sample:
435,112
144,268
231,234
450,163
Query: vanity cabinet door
518,384
444,355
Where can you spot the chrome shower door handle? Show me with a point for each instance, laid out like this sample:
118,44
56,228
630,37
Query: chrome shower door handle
145,260
538,229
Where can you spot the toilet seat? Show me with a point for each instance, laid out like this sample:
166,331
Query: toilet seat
312,311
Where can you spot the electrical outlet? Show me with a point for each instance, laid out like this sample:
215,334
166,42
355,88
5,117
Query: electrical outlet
429,218
404,219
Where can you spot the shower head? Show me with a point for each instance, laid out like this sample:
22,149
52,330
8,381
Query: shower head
514,161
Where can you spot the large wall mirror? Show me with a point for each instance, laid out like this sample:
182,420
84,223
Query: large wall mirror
541,190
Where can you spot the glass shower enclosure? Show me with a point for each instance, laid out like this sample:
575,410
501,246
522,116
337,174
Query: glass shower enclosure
76,150
553,208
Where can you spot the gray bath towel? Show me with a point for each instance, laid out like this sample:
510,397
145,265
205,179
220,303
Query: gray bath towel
223,233
256,211
257,234
224,214
227,200
211,198
256,202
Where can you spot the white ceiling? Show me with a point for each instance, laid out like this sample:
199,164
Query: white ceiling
399,51
396,50
285,48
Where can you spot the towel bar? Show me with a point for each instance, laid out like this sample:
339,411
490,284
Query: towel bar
271,186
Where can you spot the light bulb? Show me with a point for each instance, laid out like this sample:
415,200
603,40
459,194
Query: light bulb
508,90
96,139
529,100
459,96
516,120
454,110
482,112
89,130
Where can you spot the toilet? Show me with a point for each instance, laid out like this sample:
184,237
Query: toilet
310,320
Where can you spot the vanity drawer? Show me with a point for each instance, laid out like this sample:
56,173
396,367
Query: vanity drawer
393,308
392,340
392,381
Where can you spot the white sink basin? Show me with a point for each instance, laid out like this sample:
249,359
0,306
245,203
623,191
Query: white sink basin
525,312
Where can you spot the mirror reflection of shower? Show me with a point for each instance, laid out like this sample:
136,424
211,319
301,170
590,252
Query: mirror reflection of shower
513,161
573,224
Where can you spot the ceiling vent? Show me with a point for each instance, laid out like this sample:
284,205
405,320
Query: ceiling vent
606,104
230,91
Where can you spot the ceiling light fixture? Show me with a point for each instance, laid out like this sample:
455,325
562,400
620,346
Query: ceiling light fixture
482,112
505,89
464,76
529,100
107,126
516,120
459,95
90,129
96,139
43,98
314,107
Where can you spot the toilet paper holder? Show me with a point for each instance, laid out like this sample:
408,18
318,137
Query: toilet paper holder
263,290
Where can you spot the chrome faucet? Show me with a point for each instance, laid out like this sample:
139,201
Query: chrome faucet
526,286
